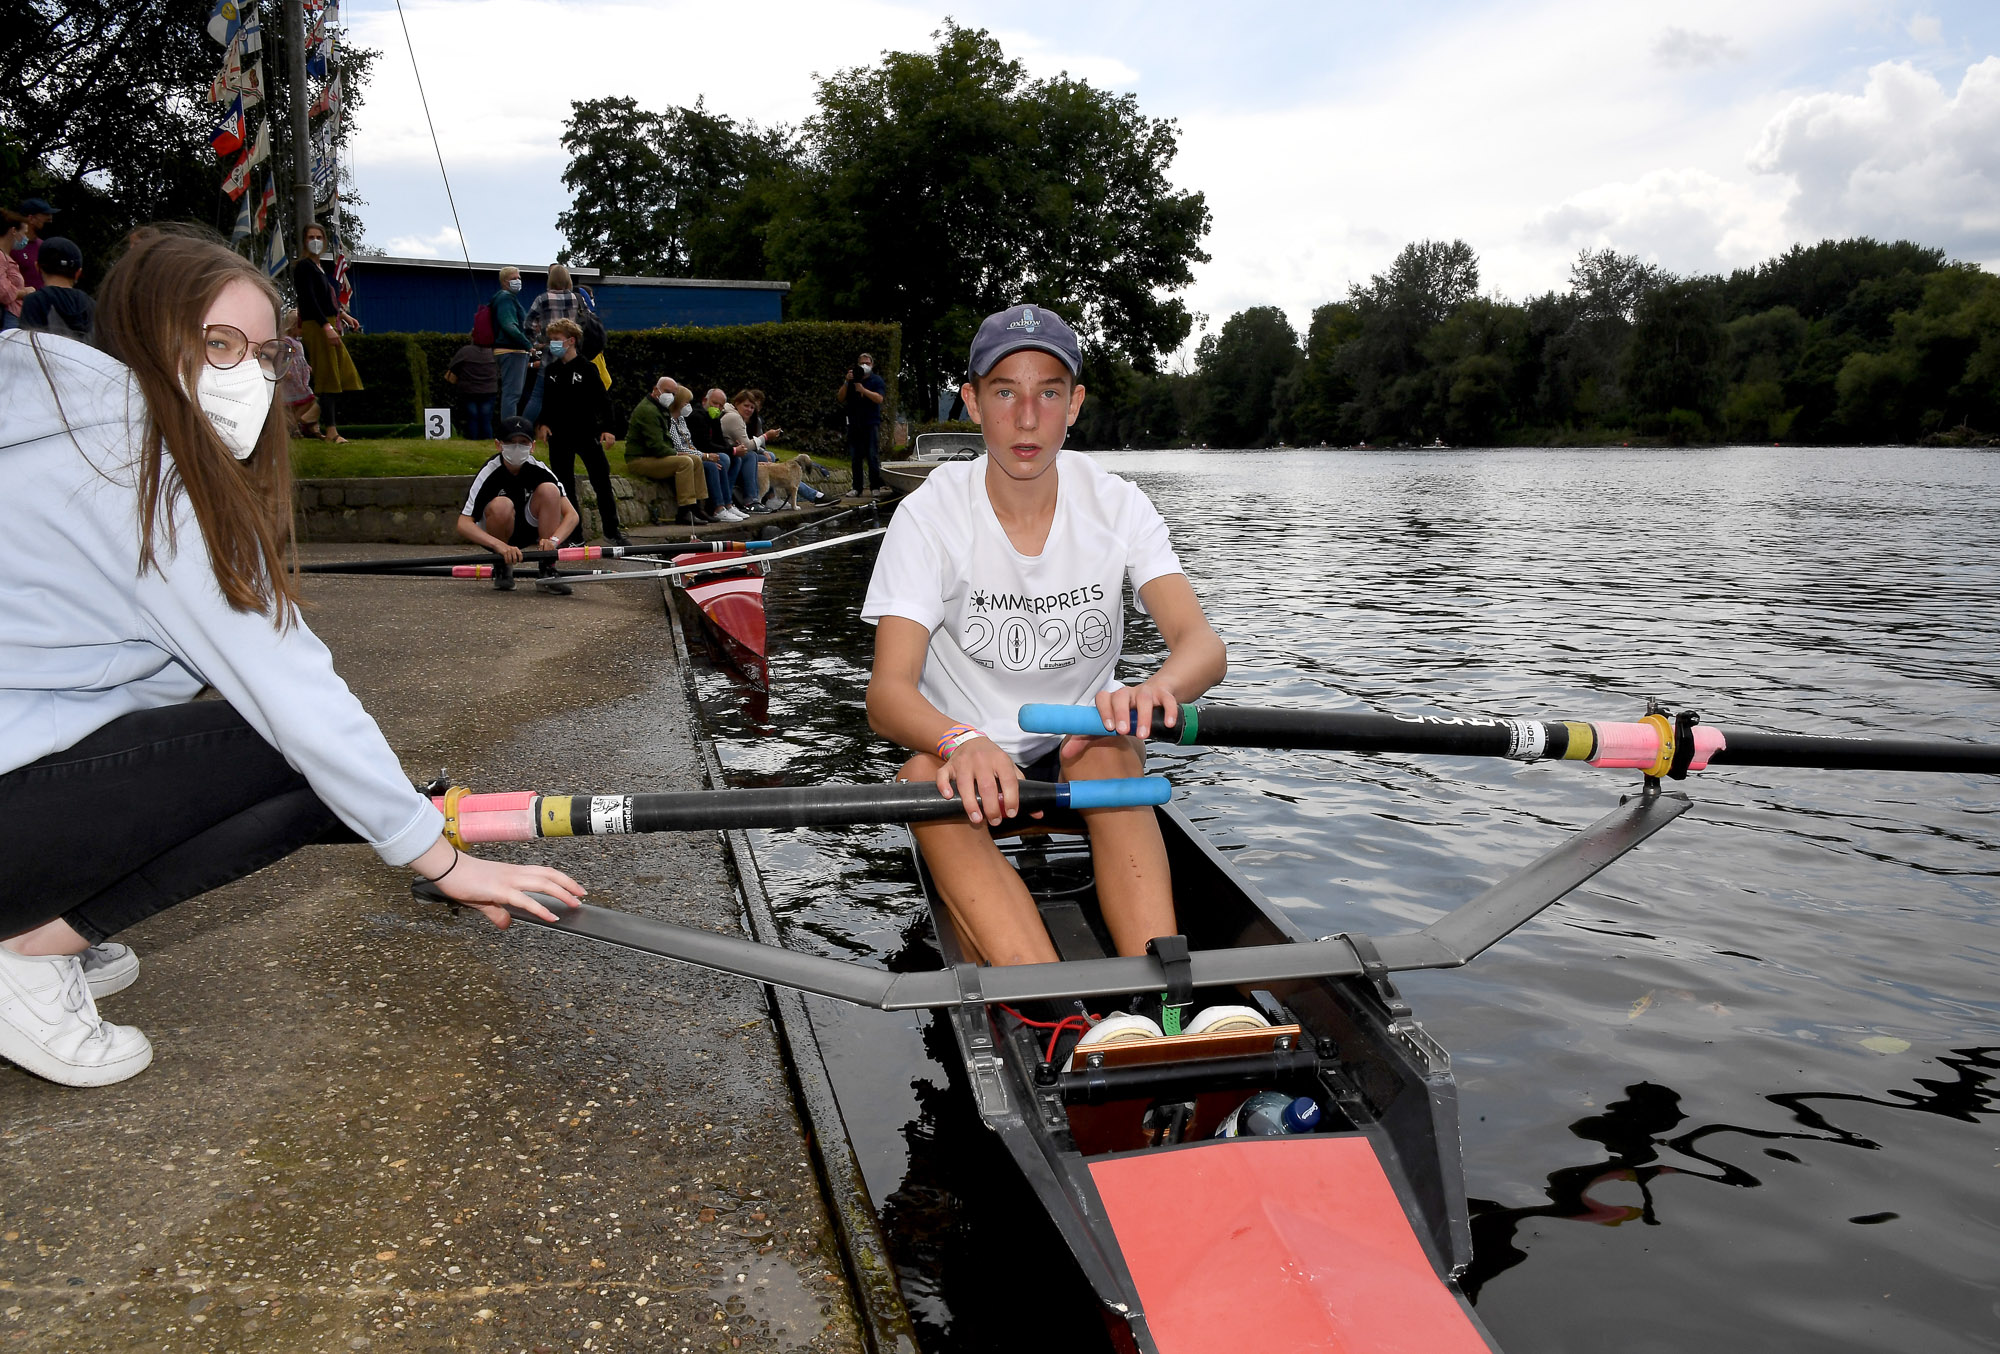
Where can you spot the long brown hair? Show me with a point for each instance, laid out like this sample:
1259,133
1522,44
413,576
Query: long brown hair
149,316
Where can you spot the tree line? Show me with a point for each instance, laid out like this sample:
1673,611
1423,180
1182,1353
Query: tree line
1845,341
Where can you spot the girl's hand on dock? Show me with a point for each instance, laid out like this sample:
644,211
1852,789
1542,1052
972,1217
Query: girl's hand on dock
491,886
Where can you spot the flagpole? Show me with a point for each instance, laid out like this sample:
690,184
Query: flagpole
295,75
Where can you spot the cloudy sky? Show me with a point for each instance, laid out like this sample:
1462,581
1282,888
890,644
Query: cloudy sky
1700,134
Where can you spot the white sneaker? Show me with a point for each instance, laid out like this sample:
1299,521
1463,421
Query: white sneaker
109,968
729,515
49,1024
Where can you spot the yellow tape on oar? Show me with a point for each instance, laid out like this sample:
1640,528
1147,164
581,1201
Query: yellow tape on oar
1582,741
554,818
450,808
1664,763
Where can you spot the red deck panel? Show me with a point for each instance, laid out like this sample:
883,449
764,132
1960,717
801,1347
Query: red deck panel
1294,1244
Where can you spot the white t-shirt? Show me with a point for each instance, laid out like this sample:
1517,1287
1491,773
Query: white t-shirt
1007,628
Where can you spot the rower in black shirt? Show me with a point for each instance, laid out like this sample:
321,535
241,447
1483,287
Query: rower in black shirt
517,502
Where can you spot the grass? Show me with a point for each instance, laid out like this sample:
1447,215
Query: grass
388,457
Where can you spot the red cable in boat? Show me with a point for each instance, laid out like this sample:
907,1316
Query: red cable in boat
1054,1027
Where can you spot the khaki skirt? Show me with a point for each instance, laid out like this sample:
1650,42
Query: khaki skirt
332,365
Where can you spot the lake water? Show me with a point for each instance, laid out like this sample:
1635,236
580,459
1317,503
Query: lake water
1735,1095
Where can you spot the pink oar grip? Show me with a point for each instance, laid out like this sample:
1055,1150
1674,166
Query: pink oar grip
508,817
581,552
1638,745
472,571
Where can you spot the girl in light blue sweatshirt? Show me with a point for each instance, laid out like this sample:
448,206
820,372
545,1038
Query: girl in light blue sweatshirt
145,562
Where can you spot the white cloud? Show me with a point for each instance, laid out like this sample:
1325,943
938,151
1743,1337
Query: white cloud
445,243
1687,220
1903,158
1683,47
1045,60
1926,28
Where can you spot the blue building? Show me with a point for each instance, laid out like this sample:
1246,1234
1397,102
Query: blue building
405,296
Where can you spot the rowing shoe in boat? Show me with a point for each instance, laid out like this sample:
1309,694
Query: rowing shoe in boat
1346,1238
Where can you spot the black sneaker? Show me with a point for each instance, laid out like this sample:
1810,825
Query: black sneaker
618,538
503,577
548,581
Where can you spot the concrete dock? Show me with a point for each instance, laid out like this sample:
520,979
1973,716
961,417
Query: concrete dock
373,1125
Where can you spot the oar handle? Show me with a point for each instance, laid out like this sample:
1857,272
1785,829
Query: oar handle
523,815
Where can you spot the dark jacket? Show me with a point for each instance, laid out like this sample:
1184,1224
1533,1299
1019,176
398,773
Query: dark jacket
646,434
59,310
575,407
706,433
510,322
317,303
478,375
863,412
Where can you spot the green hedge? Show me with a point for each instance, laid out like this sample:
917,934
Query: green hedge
395,376
797,365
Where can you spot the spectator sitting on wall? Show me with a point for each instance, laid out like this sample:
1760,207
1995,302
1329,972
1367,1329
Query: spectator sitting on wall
295,389
516,503
576,421
58,306
26,254
321,323
861,395
745,450
475,376
705,429
14,287
510,340
652,450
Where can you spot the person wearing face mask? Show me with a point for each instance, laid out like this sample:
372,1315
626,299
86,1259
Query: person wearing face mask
321,323
576,422
510,341
517,503
861,395
13,283
657,446
149,565
37,214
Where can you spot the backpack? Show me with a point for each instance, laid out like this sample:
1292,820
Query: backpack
592,343
482,326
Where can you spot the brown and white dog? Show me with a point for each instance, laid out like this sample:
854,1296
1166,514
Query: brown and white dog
786,476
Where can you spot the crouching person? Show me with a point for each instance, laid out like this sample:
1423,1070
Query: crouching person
657,446
518,503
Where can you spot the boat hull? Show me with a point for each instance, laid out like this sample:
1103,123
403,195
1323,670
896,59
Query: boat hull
1267,1239
731,606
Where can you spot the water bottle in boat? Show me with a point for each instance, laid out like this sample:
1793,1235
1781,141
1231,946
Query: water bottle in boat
1271,1114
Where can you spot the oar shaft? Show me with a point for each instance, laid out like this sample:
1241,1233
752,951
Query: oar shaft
566,553
1646,744
524,815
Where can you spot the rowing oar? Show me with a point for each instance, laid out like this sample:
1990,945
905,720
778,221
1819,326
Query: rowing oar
1661,744
523,815
437,567
816,522
764,557
563,555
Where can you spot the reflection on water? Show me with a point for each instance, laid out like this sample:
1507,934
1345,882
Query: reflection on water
1802,969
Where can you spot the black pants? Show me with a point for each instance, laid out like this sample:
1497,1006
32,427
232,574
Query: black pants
149,811
861,454
328,415
562,460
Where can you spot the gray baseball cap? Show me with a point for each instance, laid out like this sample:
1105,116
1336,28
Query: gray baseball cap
1019,327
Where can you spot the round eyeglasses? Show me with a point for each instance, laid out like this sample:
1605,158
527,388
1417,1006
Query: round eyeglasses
225,346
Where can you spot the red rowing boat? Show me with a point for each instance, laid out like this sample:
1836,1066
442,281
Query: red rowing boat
731,601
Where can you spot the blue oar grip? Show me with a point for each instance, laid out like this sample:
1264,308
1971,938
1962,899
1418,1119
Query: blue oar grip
1082,719
1113,794
760,545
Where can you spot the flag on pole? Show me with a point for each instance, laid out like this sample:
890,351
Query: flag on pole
319,45
250,38
275,261
244,224
237,77
324,176
227,138
224,20
260,150
328,100
267,200
239,178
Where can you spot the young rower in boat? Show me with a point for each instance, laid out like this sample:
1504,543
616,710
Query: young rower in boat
1001,582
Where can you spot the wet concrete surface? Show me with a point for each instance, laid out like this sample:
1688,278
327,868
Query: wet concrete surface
374,1125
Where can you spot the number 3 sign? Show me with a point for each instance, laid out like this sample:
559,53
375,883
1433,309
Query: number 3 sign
437,424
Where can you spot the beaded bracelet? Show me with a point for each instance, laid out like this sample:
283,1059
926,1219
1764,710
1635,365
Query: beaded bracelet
954,737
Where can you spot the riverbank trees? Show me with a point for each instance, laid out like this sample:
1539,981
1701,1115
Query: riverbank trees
1842,341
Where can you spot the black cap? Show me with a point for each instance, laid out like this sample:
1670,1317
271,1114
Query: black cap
1019,327
35,206
59,256
514,428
